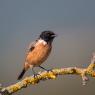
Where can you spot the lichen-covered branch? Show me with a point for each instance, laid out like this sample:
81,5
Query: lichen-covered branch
83,72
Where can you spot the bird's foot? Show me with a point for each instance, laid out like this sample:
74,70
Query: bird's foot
36,75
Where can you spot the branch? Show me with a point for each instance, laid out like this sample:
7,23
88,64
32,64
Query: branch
83,72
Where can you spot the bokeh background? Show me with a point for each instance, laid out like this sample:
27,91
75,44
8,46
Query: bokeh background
21,21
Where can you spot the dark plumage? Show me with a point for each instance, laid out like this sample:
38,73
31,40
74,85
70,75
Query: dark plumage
47,35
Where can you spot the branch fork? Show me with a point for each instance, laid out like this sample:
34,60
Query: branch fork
42,76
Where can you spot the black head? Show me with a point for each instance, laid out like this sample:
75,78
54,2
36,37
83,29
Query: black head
48,36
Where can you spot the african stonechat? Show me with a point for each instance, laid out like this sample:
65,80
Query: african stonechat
38,52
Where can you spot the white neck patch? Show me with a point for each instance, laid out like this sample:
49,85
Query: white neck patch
41,41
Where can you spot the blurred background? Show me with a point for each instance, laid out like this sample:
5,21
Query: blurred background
21,21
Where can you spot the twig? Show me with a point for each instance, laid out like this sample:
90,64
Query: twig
83,72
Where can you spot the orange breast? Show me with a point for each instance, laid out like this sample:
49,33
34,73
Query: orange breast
39,54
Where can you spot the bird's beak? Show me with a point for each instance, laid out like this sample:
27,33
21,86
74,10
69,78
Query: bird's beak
55,35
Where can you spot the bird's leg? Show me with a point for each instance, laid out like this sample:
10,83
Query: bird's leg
45,69
34,73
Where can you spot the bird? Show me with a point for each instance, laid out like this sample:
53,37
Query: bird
38,51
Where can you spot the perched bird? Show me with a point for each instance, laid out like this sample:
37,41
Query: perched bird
38,52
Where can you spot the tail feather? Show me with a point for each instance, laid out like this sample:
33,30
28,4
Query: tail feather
21,74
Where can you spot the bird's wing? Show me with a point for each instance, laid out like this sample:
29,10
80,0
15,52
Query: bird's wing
31,46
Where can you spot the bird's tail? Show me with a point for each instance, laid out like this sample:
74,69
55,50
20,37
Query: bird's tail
21,74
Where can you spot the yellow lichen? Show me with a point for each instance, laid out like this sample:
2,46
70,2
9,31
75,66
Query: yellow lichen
52,75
